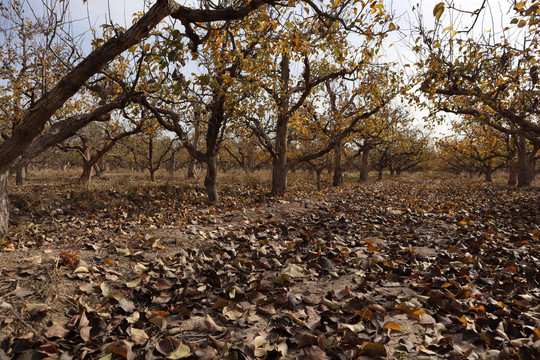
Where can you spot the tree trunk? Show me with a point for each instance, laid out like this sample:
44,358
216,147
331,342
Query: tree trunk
196,140
210,181
489,173
512,176
524,165
338,166
172,163
86,175
250,162
379,176
152,174
99,167
279,162
19,176
279,176
4,201
318,173
364,169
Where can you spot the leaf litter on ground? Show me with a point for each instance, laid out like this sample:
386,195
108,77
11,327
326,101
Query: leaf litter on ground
396,269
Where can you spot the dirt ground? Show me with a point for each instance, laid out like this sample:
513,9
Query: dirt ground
399,269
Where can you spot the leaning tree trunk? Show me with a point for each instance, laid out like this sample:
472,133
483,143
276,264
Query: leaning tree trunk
364,169
338,165
210,181
4,208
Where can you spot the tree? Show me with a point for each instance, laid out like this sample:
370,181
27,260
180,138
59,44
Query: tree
493,78
403,146
44,106
93,142
32,58
212,98
475,148
151,149
246,152
318,51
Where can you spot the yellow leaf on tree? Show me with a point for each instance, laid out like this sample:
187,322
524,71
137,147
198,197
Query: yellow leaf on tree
438,10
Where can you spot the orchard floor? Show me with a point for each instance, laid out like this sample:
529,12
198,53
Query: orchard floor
398,269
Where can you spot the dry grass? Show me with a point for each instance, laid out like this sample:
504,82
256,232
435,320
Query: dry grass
262,178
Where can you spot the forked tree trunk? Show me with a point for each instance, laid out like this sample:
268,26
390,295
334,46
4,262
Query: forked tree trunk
338,166
4,201
364,168
210,180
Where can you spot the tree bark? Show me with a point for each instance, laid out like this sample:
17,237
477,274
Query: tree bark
210,181
86,175
338,165
318,173
489,177
4,201
19,176
279,176
196,139
279,162
364,168
525,169
100,167
512,175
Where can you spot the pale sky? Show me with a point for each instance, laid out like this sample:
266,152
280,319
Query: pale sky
97,12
